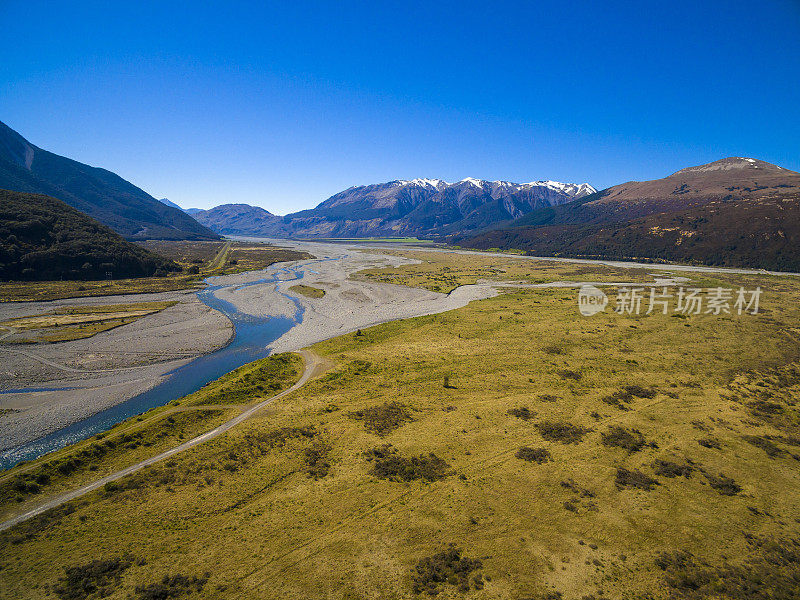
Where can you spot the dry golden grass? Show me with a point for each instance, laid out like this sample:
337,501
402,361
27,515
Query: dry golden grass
78,322
443,271
308,291
246,509
146,435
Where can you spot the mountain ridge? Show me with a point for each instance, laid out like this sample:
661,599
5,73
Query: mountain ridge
736,211
418,207
97,192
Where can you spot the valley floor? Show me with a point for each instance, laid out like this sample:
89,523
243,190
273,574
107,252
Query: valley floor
613,456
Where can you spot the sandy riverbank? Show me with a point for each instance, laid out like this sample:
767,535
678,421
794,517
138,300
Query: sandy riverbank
103,370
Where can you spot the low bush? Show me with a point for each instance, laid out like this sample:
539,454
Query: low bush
561,431
634,480
765,444
388,464
548,398
317,465
171,586
568,374
570,484
631,440
724,485
667,468
709,442
537,455
769,571
583,499
279,437
448,567
383,419
523,413
95,579
624,396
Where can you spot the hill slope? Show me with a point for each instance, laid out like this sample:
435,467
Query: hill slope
735,212
42,238
238,219
99,193
418,207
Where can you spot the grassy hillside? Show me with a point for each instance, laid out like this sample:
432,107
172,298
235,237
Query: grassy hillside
761,234
562,457
42,238
737,212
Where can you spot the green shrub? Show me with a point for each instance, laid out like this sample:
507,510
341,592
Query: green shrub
537,455
383,419
448,567
561,431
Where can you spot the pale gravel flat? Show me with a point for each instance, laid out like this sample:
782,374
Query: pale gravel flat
106,369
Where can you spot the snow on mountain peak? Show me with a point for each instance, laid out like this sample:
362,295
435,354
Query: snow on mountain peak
422,182
570,189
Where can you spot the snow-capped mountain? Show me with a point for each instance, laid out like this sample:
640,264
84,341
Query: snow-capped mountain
419,207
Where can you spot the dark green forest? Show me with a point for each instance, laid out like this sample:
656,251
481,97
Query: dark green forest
42,238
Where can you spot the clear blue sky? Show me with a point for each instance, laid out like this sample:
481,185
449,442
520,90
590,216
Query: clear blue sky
281,105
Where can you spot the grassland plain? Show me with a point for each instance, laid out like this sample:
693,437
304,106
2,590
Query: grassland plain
77,322
672,468
146,435
443,271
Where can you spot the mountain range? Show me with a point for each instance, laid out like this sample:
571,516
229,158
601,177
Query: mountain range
736,211
99,193
417,207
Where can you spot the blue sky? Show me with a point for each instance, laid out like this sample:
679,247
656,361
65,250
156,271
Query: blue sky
283,104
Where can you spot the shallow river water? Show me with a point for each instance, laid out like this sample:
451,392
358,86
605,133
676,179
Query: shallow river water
252,336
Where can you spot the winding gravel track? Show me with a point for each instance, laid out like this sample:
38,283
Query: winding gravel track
314,365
